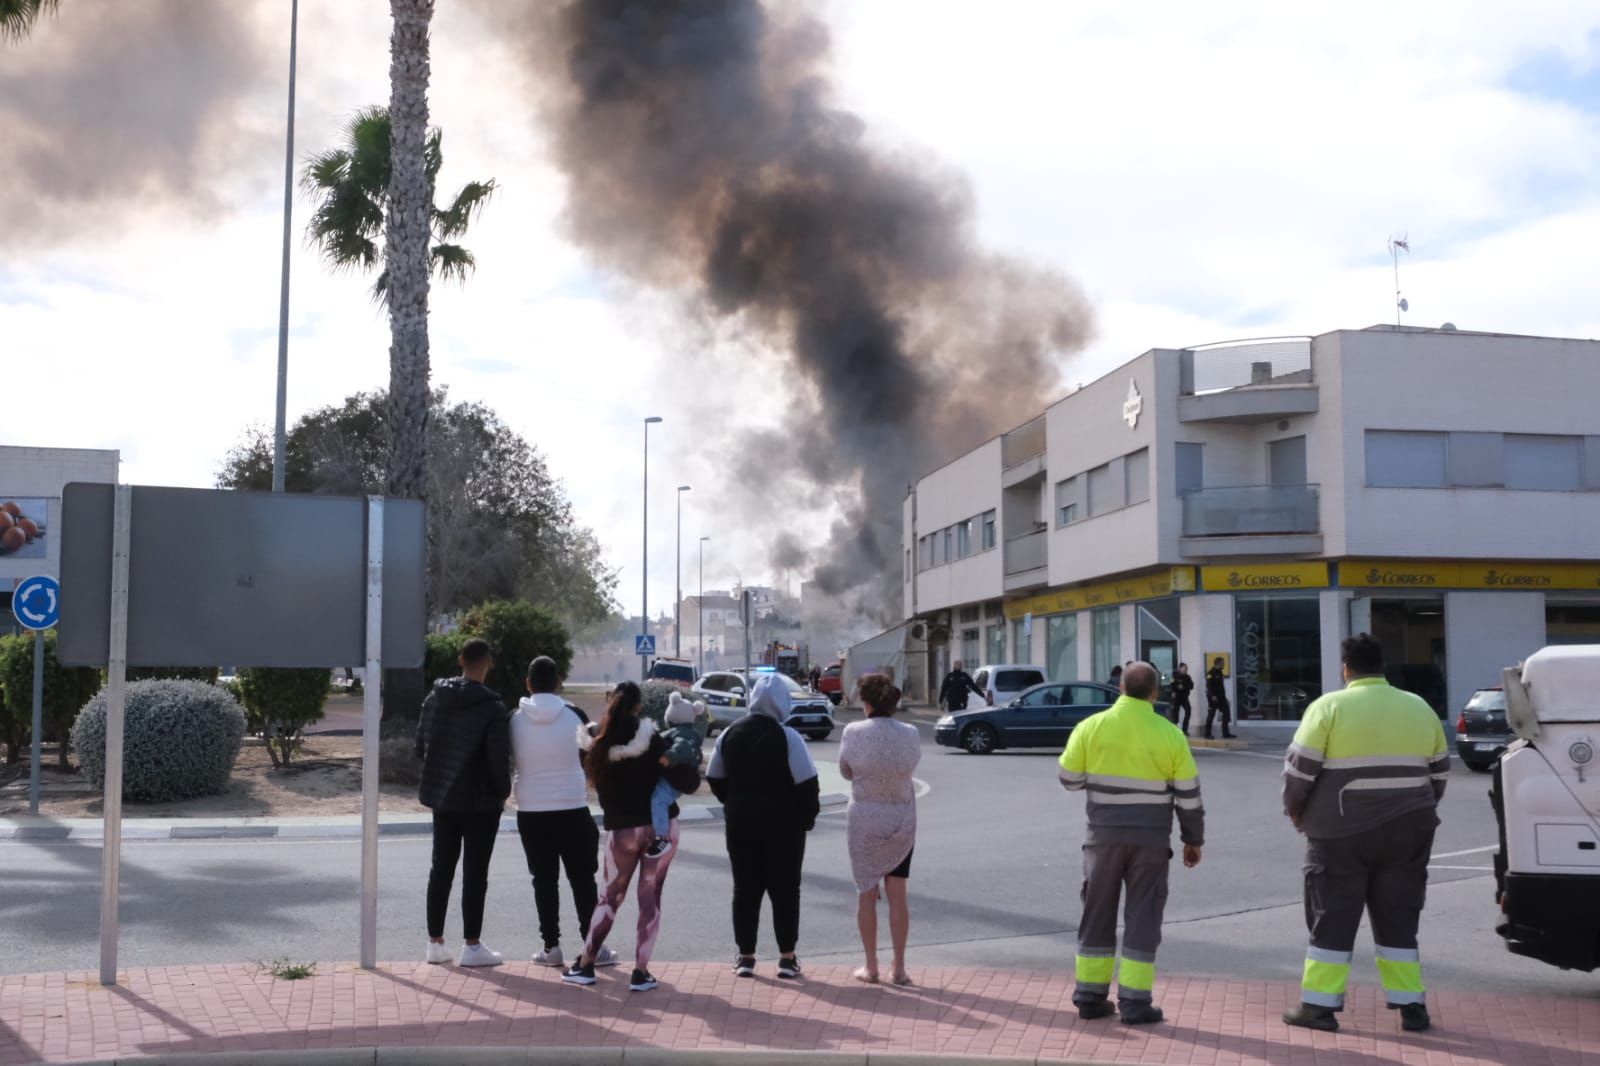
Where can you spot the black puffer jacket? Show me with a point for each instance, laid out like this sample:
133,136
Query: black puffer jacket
464,742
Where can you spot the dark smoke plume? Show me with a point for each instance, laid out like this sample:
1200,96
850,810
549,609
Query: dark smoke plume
114,109
703,150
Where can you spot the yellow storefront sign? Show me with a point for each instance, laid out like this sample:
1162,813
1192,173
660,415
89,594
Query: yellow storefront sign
1409,574
1106,593
1264,578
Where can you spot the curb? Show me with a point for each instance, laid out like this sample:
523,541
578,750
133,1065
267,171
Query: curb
46,830
577,1056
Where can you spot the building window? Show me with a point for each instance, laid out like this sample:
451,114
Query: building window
970,614
908,566
1021,642
1190,474
1107,637
1136,473
1405,460
1277,662
1061,647
963,539
1067,499
995,643
949,538
1553,464
1105,490
1477,460
969,648
989,537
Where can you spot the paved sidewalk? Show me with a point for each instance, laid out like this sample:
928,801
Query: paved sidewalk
702,1009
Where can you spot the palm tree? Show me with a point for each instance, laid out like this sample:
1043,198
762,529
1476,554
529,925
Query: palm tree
18,16
351,185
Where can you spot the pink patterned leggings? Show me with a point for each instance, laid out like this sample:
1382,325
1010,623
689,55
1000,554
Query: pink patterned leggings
624,851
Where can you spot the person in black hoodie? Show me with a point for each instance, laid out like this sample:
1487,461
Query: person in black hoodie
464,742
764,776
624,765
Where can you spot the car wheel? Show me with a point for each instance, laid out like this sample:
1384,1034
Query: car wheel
1477,766
822,734
979,739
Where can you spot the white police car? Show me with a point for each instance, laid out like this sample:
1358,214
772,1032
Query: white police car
725,695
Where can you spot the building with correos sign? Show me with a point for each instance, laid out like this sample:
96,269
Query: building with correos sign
1259,501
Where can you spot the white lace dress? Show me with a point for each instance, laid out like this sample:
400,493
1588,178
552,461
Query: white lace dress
877,757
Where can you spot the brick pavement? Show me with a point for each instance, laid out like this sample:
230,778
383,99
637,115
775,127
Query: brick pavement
701,1007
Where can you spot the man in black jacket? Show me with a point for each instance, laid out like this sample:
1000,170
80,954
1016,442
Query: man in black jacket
464,742
1217,699
764,776
1182,685
953,693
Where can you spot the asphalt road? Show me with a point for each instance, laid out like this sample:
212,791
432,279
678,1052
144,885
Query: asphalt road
994,884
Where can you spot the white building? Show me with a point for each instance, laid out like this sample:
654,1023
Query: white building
31,479
1262,500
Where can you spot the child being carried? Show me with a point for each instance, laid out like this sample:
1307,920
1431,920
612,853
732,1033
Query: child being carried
685,751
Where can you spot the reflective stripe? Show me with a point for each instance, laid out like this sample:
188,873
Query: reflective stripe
1441,777
1370,783
1296,773
1135,975
1095,971
1305,752
1136,783
1400,999
1366,762
1190,804
1145,799
1397,954
1333,1000
1338,958
1325,980
1186,783
1074,775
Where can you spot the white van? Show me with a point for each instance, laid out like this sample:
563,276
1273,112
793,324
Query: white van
1003,682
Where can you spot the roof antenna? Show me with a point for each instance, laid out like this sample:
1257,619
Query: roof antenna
1396,246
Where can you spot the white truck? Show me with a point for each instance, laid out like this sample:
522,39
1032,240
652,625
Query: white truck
1546,798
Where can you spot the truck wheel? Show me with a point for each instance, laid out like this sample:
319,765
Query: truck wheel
979,739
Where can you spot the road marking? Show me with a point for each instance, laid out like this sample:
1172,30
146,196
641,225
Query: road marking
1239,751
1469,851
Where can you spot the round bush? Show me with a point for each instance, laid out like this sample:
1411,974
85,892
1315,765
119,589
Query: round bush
180,739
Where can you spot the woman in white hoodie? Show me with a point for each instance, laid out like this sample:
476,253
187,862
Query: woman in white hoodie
553,816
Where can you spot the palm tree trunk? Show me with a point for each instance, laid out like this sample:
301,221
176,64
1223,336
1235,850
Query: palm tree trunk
406,257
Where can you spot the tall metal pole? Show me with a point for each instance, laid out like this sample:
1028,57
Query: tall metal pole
38,721
677,604
371,726
701,643
279,437
116,698
644,608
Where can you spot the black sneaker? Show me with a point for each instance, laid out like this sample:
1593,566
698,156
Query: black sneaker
658,847
744,966
1100,1008
1311,1016
789,968
579,975
1414,1017
1140,1013
642,981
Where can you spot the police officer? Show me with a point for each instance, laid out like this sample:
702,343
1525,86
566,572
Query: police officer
953,693
1362,781
1217,699
1181,685
1136,768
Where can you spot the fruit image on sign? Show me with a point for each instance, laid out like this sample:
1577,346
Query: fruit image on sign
22,528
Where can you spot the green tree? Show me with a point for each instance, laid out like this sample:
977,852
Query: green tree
351,186
66,690
500,525
518,632
17,17
280,703
443,655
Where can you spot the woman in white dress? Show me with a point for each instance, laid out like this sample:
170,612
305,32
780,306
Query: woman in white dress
877,756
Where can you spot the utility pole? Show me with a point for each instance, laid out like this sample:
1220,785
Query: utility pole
644,607
677,604
280,434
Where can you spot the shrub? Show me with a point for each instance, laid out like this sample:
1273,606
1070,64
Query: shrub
280,703
398,763
208,674
655,695
443,651
518,632
65,690
180,739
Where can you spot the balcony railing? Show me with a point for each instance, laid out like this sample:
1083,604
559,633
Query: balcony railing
1246,510
1022,443
1242,364
1026,552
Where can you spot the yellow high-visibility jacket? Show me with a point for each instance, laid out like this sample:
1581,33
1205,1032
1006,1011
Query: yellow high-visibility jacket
1137,770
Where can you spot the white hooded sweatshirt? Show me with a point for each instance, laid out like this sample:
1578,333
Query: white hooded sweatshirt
549,775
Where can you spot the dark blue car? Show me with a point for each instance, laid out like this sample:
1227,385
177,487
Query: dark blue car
1041,717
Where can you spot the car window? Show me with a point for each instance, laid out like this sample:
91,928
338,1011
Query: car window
1487,700
1015,680
832,671
1089,696
982,680
714,683
1044,696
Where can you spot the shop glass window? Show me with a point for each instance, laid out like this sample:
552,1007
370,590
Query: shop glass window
1406,460
989,535
1061,647
1107,641
1021,643
1549,463
1136,470
995,644
1277,661
969,647
1571,623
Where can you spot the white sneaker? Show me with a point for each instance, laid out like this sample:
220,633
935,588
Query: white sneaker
549,957
438,954
478,955
607,957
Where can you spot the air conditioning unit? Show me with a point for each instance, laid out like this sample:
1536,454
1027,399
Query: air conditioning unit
919,632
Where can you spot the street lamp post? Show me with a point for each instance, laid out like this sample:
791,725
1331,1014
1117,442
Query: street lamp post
279,436
701,643
644,616
677,604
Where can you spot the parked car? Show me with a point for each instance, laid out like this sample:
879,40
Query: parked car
832,683
680,672
725,696
999,683
1481,730
1043,716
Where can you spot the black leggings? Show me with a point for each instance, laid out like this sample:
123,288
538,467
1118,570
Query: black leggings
453,833
766,864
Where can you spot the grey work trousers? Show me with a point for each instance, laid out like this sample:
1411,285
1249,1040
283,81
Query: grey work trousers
1109,870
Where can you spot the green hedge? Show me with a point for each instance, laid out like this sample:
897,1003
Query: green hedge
280,703
65,690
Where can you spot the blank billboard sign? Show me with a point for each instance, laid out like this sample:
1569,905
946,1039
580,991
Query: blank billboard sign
225,578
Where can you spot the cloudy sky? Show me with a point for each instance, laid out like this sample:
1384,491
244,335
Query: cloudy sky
1205,172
